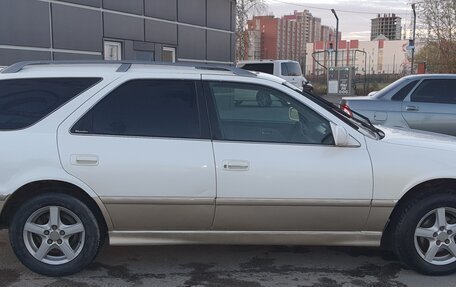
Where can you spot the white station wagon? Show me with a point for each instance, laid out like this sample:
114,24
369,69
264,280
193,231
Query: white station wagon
164,154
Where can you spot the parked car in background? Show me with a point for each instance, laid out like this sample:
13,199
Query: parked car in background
423,102
148,154
288,70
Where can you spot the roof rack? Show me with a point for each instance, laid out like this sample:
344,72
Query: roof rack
126,65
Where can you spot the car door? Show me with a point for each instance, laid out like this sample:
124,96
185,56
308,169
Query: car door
145,149
432,106
277,165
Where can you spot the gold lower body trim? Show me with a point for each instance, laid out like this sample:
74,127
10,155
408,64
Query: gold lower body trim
322,238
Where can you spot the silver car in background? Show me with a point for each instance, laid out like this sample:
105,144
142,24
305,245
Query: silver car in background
423,102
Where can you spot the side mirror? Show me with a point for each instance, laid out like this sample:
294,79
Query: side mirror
342,138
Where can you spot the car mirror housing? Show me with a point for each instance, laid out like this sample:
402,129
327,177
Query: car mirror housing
342,138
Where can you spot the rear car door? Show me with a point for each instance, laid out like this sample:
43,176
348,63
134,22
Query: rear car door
144,148
432,106
277,165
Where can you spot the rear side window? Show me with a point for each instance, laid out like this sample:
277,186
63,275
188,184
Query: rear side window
402,93
267,68
150,108
442,91
291,69
23,102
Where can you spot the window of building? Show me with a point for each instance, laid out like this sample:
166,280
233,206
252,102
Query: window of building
246,112
169,54
151,108
23,102
112,51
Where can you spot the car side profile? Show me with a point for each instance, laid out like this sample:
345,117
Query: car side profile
155,154
423,102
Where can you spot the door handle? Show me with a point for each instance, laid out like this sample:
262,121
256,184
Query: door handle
412,108
240,165
79,159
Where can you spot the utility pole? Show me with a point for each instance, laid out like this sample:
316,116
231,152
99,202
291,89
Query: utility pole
337,34
412,71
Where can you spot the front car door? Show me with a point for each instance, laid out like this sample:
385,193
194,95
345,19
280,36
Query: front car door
277,165
432,106
145,149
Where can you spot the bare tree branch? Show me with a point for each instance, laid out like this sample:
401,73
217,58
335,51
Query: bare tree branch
243,9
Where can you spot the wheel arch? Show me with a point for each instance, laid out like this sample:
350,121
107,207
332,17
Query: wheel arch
420,190
28,191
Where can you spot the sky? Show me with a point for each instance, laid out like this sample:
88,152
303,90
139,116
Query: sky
354,26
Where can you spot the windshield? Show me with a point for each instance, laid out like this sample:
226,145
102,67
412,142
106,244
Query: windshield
357,121
291,69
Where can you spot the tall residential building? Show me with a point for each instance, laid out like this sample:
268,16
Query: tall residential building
274,38
388,25
312,25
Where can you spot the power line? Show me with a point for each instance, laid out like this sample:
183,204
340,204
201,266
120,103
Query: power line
329,10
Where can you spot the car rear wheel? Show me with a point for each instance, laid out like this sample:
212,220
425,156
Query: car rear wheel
55,235
424,236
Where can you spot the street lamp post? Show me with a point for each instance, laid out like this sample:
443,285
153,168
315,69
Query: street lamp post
414,35
337,34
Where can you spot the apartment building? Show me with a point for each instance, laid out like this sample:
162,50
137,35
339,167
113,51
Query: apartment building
388,25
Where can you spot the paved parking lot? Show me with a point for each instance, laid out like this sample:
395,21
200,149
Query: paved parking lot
239,266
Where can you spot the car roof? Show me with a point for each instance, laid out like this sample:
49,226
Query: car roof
105,68
429,76
268,61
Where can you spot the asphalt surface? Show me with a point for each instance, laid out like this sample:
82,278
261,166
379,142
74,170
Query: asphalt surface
238,266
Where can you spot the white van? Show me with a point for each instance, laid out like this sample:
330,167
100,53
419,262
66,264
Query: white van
285,69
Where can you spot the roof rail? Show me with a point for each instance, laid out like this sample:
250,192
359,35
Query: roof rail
126,65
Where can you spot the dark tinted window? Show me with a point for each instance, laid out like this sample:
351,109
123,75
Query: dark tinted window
24,102
267,68
155,108
402,93
436,91
255,113
291,69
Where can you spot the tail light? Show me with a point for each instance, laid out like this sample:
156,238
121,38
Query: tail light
344,106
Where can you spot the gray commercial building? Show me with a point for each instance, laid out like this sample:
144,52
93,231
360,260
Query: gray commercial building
146,30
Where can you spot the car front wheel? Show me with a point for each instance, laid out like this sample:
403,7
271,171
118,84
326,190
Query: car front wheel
55,234
424,236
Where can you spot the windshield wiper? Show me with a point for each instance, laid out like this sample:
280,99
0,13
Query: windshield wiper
365,122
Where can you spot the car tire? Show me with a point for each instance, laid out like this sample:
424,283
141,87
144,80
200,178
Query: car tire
55,234
424,233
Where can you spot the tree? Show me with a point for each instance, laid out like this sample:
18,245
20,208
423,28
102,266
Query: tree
439,28
243,9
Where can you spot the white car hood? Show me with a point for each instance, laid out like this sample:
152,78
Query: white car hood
418,138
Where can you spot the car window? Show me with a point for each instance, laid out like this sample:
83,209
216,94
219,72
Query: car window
402,93
291,69
441,91
267,68
247,112
23,102
154,108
